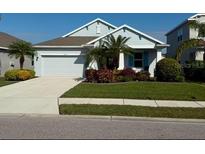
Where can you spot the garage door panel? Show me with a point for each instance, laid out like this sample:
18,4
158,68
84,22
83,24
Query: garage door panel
63,66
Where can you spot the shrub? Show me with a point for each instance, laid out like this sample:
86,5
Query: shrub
33,73
116,75
143,76
11,75
180,78
124,79
91,75
195,74
19,75
104,76
128,73
196,64
23,75
168,69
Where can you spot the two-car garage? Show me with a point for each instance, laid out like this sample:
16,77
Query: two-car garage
63,56
72,66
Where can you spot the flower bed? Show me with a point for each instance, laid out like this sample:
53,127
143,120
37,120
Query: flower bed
112,76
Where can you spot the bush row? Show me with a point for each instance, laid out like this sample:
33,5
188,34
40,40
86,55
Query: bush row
19,75
108,76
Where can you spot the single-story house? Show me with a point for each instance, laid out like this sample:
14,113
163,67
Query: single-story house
65,56
6,62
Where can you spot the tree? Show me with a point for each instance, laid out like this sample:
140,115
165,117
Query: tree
192,43
115,46
107,53
20,49
98,54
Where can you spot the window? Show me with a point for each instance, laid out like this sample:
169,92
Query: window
138,60
179,35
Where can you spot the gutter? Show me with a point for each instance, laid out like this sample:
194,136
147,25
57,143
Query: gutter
4,48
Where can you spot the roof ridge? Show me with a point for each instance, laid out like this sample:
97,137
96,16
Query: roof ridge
129,27
87,24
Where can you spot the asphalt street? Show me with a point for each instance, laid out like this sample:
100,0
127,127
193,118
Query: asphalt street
64,127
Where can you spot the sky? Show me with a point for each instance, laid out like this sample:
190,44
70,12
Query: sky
40,27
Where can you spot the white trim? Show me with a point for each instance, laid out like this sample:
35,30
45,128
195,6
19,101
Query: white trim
4,48
59,54
198,14
47,46
128,27
98,19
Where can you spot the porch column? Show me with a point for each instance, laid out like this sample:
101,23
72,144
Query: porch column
121,61
159,54
199,55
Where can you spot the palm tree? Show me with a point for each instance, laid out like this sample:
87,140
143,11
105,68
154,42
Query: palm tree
115,46
20,49
98,54
192,43
107,53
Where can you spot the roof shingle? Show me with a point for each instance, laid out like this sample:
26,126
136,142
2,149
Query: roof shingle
67,41
6,39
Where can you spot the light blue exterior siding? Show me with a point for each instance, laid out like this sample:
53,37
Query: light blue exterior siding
91,30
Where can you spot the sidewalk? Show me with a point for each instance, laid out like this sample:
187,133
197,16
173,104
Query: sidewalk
136,102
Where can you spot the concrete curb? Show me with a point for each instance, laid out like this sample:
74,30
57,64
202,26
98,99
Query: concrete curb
135,102
111,118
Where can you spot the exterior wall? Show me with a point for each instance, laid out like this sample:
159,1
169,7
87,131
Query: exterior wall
54,52
91,30
152,60
194,34
174,43
135,41
188,33
6,61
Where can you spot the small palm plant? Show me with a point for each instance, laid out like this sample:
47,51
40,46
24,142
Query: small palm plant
192,43
99,55
20,49
115,46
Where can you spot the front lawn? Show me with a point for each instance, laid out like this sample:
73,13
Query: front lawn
128,110
139,90
3,82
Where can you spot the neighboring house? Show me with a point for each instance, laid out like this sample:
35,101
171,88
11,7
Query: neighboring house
181,33
7,62
65,56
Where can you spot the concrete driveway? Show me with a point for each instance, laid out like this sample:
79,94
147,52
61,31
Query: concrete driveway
37,95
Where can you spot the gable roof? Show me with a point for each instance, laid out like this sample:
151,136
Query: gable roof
130,28
98,19
185,21
6,40
67,41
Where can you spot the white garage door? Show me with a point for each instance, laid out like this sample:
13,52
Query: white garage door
72,66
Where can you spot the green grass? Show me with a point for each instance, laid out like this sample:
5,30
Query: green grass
139,90
128,110
3,82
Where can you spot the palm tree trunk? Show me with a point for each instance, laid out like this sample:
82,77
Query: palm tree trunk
21,60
